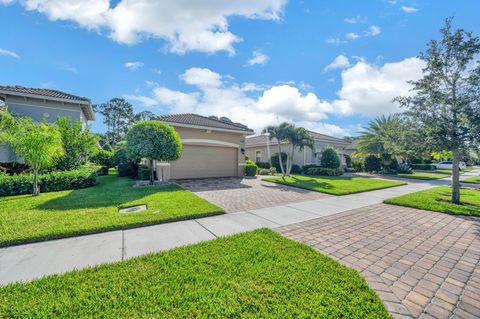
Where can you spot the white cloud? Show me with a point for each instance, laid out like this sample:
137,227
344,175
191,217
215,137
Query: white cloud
352,35
69,68
145,100
201,77
334,40
408,9
340,62
134,66
258,58
184,25
9,53
355,20
373,30
369,89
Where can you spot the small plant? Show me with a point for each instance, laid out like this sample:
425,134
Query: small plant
250,168
330,158
143,172
404,169
263,171
373,164
358,166
272,171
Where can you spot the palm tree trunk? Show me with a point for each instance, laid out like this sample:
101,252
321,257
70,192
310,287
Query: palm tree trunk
36,189
456,177
280,159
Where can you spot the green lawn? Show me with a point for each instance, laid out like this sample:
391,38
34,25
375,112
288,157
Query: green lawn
257,274
438,199
61,214
422,176
335,185
436,171
473,180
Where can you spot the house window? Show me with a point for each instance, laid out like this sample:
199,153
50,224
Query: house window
258,156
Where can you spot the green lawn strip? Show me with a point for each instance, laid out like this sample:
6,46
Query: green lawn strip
335,185
422,176
472,180
62,214
257,274
437,171
438,199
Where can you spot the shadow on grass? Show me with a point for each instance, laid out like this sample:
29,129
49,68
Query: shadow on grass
312,182
110,191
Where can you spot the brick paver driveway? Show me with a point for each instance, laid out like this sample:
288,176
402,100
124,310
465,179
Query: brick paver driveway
241,194
421,263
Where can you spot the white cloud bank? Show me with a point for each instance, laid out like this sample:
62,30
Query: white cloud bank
9,53
185,25
367,89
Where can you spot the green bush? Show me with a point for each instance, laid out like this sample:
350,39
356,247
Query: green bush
389,171
393,164
103,158
358,166
308,166
323,171
143,172
128,169
276,162
272,170
263,171
404,169
265,165
250,168
423,167
330,158
51,182
373,164
348,160
296,169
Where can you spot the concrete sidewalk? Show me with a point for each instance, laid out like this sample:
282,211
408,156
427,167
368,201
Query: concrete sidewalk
30,261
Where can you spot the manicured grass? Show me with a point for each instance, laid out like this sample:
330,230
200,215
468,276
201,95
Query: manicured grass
335,185
61,214
436,171
473,180
438,199
422,176
251,275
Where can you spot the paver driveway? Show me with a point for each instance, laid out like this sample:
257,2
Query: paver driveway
242,194
421,263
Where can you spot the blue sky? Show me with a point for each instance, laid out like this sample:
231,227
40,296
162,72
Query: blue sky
330,66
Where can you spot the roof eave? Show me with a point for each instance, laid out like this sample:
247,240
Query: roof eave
249,132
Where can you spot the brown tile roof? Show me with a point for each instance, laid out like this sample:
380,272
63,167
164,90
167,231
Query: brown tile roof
43,92
262,139
199,120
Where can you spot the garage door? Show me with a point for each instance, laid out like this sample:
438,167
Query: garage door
205,161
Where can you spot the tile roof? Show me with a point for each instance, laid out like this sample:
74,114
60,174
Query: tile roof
43,92
199,120
262,139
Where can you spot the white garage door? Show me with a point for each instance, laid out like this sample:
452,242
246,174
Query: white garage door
205,161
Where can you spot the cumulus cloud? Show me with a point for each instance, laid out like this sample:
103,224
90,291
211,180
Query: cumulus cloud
145,100
258,58
373,30
134,66
352,35
184,25
340,62
9,53
408,9
355,20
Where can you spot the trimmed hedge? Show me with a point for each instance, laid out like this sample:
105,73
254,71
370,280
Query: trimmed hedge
305,168
51,182
265,165
250,168
423,167
322,171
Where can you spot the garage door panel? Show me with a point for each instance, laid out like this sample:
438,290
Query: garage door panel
205,161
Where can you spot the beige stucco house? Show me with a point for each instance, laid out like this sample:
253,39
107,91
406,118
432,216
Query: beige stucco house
42,104
212,147
260,148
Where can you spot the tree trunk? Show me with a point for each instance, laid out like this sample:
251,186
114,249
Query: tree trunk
36,189
456,177
152,177
280,159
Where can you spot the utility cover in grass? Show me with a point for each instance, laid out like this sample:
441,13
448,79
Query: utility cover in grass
259,274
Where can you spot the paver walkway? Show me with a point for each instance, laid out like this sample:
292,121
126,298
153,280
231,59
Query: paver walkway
243,194
421,263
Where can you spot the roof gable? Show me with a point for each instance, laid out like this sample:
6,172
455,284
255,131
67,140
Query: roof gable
203,121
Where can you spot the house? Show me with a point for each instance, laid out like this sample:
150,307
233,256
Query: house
42,104
212,147
260,148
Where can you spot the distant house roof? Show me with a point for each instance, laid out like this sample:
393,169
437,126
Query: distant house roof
262,139
195,120
50,95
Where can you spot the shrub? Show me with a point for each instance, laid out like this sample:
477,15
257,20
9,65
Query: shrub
128,169
389,171
263,171
323,171
51,182
404,169
103,158
330,158
348,160
424,167
296,169
373,164
305,168
143,172
358,166
276,162
250,168
350,170
393,164
265,165
272,170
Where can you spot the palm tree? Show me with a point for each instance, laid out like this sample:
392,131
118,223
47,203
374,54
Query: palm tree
299,138
382,137
279,133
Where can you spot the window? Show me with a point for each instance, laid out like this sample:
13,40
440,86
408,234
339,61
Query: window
258,156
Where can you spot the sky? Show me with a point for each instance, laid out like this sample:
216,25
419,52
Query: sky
329,66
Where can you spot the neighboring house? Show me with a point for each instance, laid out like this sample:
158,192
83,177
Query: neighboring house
260,148
42,104
211,147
